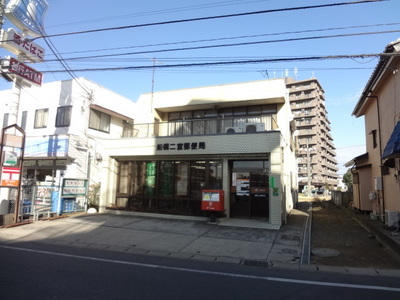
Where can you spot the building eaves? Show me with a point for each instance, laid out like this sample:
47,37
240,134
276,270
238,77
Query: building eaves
384,61
356,160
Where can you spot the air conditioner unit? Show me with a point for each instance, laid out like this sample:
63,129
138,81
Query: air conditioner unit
392,218
246,127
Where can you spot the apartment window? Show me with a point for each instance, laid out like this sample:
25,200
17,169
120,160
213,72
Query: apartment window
5,119
23,119
41,117
63,118
99,121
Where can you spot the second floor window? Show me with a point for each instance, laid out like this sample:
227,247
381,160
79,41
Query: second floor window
99,121
41,117
5,119
63,118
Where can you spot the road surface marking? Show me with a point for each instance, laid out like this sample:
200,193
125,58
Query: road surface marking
277,279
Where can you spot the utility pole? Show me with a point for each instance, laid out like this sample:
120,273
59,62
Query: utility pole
2,8
308,171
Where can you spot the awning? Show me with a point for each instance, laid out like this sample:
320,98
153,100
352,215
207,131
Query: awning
392,148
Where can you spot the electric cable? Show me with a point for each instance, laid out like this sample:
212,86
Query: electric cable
208,18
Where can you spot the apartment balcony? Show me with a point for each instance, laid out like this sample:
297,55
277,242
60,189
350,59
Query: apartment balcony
303,104
302,96
301,87
204,127
308,132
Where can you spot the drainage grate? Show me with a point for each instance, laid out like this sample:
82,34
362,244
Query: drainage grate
291,237
255,263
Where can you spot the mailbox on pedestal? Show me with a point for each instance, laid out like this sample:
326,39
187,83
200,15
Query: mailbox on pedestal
212,200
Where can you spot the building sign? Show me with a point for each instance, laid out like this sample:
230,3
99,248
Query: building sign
182,146
17,44
10,158
10,176
47,146
27,15
11,140
74,187
27,73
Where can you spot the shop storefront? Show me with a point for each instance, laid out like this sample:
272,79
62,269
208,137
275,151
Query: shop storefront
166,186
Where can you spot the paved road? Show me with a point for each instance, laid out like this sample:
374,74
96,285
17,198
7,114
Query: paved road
42,271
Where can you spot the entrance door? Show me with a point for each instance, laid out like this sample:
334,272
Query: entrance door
250,195
259,196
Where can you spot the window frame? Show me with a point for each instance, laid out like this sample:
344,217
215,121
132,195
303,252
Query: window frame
99,115
63,117
41,118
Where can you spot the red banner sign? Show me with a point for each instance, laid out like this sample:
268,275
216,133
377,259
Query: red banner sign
26,72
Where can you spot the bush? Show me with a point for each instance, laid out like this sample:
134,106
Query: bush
94,195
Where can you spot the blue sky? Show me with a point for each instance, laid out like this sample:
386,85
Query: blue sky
342,79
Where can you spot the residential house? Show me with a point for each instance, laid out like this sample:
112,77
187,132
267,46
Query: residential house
376,174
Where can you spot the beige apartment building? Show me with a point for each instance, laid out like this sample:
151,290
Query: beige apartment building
316,157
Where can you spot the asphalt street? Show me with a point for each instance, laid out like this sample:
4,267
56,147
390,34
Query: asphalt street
34,270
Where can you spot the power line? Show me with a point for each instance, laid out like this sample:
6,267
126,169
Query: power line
232,38
168,10
230,45
211,18
55,51
237,62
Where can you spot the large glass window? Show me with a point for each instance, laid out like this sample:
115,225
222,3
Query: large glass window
181,178
99,121
215,175
41,117
63,118
166,179
197,178
167,186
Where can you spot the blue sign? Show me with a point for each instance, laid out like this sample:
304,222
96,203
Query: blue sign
27,15
48,146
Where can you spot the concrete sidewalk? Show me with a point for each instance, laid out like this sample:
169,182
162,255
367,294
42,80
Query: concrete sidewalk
182,238
245,243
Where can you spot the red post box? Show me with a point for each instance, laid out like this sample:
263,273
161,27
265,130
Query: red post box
212,200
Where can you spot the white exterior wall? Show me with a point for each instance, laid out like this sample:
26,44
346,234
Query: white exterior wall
274,145
255,92
84,143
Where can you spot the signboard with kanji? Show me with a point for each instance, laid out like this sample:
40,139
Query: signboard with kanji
26,72
17,44
73,187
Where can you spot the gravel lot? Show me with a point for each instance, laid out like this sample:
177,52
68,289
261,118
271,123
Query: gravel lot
339,240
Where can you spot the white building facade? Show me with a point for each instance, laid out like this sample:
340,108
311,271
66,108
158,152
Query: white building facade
236,139
64,122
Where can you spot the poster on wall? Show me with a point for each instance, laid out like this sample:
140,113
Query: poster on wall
243,184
